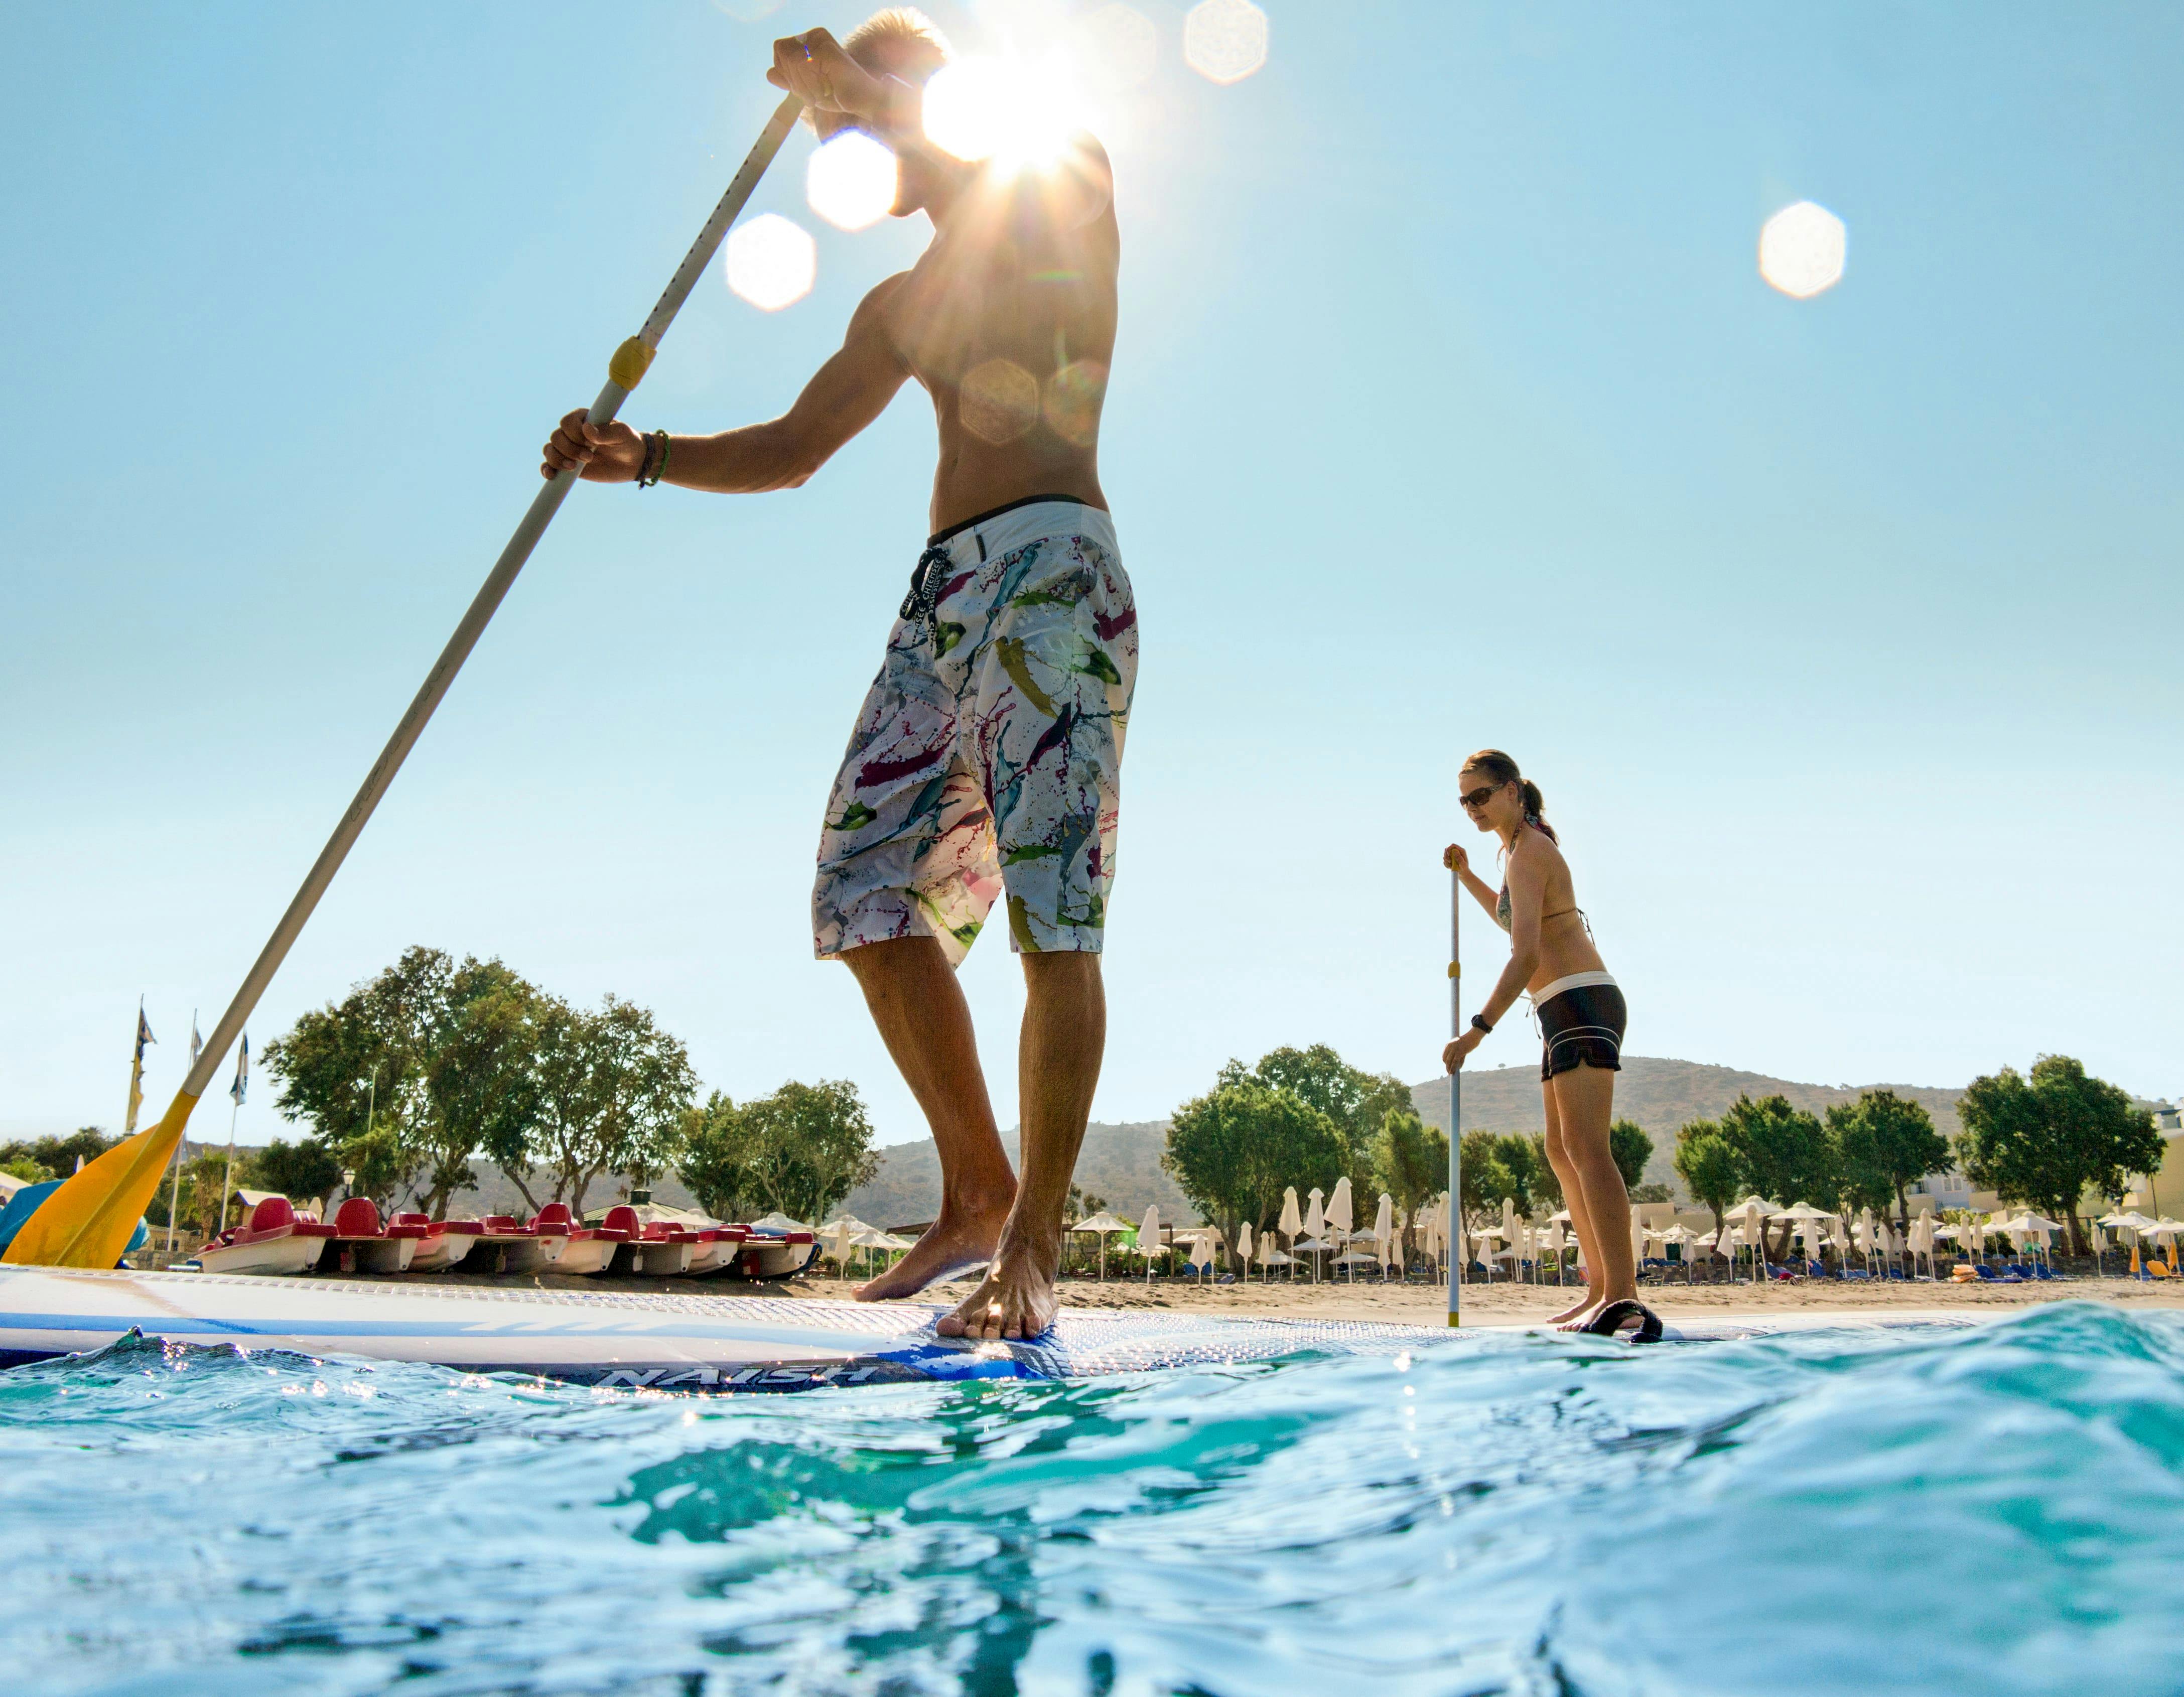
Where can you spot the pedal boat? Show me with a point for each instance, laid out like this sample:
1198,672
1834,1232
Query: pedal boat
274,1241
584,1249
437,1250
360,1244
654,1250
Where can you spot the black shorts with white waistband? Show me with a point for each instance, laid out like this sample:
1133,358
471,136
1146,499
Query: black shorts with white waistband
1582,1026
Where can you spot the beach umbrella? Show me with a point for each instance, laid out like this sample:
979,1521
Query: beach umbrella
778,1221
1101,1224
1270,1256
1341,1212
1556,1243
837,1240
1291,1221
1315,1228
1149,1243
1384,1236
1637,1238
1244,1246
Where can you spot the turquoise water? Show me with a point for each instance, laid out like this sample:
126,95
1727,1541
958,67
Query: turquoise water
1996,1511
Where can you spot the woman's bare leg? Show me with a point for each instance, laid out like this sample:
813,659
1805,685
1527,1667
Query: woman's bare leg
1582,1104
1574,1200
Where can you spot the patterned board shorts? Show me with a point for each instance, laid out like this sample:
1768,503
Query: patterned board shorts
988,756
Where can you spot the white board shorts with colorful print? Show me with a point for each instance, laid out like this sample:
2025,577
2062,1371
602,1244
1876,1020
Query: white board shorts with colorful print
988,758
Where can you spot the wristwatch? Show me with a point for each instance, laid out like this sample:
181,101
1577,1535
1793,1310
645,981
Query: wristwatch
1479,1023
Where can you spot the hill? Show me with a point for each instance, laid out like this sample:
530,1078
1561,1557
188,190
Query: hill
1122,1162
1118,1163
1660,1096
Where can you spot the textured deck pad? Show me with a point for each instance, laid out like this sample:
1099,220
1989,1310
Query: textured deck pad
677,1339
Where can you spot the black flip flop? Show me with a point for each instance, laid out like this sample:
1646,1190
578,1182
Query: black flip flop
1626,1311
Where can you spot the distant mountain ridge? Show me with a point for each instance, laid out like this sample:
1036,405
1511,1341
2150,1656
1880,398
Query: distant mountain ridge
1121,1164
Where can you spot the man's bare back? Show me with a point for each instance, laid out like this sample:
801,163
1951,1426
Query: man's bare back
1020,683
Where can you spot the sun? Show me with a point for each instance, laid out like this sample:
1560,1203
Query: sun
1015,113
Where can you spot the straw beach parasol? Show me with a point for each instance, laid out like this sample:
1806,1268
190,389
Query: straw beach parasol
1102,1223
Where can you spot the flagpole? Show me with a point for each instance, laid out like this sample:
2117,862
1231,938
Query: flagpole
227,1184
235,1100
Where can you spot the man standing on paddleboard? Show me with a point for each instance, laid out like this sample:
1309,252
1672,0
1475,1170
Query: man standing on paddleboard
987,760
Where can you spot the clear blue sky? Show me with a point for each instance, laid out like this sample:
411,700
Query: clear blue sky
1844,636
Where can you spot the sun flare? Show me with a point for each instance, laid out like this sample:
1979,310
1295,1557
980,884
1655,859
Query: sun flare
1012,112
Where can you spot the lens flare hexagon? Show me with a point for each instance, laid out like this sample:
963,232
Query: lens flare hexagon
1118,47
772,261
850,182
1801,250
1225,40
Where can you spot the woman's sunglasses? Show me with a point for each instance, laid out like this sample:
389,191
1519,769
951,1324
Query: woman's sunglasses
1476,799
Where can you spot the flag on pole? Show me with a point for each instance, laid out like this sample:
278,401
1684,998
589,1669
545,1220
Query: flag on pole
242,1071
136,1070
197,1043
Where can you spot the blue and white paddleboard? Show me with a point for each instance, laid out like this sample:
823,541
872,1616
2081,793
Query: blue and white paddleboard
669,1340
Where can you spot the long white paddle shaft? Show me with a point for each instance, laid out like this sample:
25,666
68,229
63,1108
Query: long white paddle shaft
624,371
1455,1101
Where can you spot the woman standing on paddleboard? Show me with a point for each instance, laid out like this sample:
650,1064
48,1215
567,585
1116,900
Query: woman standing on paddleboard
1581,1017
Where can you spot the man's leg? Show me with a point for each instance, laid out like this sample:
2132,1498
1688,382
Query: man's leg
1065,1034
926,1024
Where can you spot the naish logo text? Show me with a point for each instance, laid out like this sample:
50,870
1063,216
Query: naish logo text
783,1376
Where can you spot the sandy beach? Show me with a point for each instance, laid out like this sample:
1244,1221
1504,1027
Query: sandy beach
1519,1304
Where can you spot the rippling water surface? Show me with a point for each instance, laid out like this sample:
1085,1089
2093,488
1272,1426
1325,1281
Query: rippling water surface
1996,1511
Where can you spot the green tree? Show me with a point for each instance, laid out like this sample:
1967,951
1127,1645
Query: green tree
1410,1160
1630,1148
55,1158
1708,1165
801,1151
1546,1183
1486,1180
480,1083
1233,1150
204,1182
24,1168
612,1092
1784,1155
365,1055
1652,1193
2047,1140
1886,1145
1356,1103
377,1165
297,1170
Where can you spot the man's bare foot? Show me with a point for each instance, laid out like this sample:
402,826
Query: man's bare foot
951,1244
1570,1319
1015,1300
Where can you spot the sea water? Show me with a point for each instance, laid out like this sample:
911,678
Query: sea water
1993,1509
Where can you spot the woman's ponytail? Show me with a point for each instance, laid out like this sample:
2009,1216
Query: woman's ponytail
1533,804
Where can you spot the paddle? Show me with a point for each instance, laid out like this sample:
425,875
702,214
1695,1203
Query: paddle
1455,1099
88,1222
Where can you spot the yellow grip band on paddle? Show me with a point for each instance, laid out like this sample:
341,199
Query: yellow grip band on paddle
631,361
1455,968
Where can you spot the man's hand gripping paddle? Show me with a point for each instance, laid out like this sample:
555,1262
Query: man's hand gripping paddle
88,1222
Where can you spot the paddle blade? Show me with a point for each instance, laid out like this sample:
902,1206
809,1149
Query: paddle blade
89,1220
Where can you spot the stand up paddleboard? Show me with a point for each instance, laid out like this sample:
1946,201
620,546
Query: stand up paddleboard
668,1340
